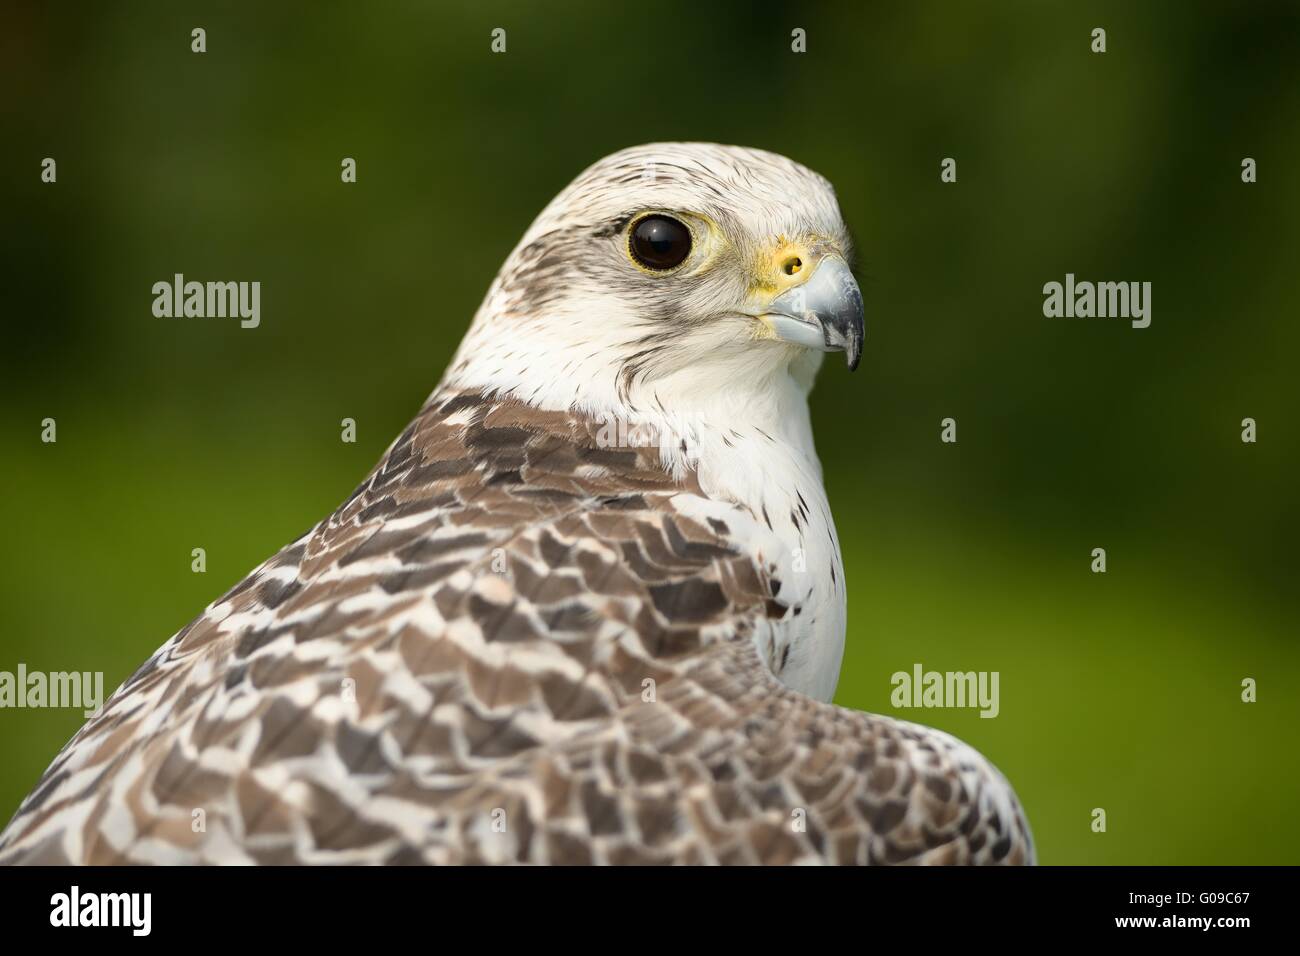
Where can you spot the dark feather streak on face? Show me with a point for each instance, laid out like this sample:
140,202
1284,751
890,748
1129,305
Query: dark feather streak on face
549,268
540,274
638,364
612,227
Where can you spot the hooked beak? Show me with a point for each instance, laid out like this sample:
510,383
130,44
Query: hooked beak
824,313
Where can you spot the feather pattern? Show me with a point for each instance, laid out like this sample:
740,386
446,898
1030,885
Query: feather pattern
509,644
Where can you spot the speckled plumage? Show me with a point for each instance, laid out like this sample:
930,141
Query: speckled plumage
520,642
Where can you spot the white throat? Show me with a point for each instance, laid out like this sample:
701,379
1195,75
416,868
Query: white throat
738,418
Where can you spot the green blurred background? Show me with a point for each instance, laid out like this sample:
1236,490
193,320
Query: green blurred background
1119,691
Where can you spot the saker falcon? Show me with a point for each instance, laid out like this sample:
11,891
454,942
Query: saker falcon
588,608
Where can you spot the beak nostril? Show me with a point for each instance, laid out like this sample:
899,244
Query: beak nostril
793,265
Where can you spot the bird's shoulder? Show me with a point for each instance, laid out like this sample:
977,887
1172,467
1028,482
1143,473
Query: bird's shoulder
519,524
516,641
497,557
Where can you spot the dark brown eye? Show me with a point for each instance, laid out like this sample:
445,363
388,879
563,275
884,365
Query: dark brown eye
659,243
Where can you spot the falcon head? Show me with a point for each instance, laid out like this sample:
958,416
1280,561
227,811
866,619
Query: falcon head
687,265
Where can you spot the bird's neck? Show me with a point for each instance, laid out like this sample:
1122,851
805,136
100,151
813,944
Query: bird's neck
717,415
742,436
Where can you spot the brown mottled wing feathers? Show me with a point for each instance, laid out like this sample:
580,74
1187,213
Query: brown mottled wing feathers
507,645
